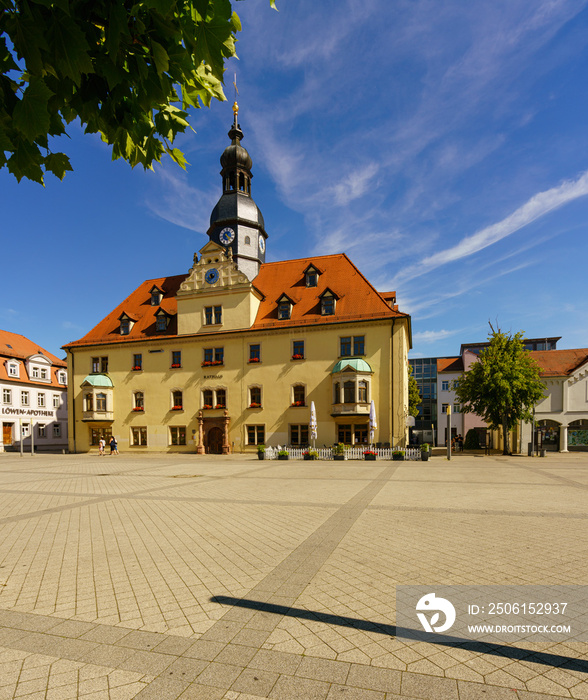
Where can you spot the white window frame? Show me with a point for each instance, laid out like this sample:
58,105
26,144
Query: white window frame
13,369
40,400
7,396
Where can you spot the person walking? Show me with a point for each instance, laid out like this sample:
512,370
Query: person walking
113,446
101,445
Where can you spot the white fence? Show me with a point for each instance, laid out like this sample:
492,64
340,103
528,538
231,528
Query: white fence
410,453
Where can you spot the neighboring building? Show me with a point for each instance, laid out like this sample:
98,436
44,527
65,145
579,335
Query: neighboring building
33,387
232,354
435,377
561,418
449,369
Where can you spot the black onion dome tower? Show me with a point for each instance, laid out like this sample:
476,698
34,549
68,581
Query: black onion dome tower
236,222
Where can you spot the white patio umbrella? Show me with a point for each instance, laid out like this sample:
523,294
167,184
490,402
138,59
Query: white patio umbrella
373,423
312,425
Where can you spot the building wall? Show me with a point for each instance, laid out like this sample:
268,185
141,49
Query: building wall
276,374
47,423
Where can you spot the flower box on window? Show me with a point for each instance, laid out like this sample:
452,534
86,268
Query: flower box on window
206,406
253,404
254,359
138,408
211,363
177,408
176,365
136,368
297,357
299,403
220,405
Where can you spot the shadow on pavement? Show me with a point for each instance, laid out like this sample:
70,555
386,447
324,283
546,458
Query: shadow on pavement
510,652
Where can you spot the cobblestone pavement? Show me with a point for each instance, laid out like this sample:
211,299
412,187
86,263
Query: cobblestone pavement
163,577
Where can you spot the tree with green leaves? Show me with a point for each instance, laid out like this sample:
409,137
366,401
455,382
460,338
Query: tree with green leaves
120,68
503,386
414,396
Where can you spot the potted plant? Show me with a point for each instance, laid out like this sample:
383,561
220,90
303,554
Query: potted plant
261,452
398,455
338,451
311,454
370,455
425,451
283,454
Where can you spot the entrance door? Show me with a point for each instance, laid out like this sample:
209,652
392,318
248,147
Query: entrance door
7,433
215,441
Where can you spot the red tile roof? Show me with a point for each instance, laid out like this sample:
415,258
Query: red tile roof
558,363
356,298
449,364
15,346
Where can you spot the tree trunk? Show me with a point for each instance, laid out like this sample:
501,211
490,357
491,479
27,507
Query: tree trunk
505,435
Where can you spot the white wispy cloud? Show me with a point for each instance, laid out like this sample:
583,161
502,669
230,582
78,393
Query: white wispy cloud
537,206
433,336
180,203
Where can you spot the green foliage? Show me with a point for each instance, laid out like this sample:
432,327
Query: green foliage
471,441
116,66
504,385
414,397
338,449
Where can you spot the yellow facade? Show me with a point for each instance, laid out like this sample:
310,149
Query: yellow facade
386,348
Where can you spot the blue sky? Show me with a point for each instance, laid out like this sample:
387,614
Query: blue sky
442,146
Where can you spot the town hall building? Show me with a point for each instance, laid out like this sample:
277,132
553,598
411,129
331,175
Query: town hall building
231,355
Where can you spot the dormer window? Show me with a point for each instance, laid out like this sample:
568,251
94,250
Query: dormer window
126,324
284,307
13,369
156,296
161,321
328,303
311,276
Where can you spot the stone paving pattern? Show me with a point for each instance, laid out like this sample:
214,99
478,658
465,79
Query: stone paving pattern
163,577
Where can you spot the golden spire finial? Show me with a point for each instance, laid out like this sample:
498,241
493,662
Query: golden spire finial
235,105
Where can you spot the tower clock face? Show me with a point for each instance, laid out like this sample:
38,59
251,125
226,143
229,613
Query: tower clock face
261,244
226,236
211,275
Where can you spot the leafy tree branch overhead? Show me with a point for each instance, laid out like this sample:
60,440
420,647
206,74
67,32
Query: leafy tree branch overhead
129,71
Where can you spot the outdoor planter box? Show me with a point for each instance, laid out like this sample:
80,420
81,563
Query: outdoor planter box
370,458
307,457
398,458
339,458
283,456
261,455
425,456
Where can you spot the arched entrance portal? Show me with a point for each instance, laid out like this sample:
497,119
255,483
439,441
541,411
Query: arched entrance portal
213,434
547,435
215,441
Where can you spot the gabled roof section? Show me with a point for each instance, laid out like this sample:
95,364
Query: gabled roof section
137,306
19,347
357,299
560,363
16,347
449,364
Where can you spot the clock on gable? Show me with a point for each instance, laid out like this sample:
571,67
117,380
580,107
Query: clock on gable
226,236
211,276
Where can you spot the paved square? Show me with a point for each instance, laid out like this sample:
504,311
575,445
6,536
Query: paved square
228,578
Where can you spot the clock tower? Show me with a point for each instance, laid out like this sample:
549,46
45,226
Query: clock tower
236,222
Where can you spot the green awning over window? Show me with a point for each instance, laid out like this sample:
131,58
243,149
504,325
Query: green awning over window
355,364
98,380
